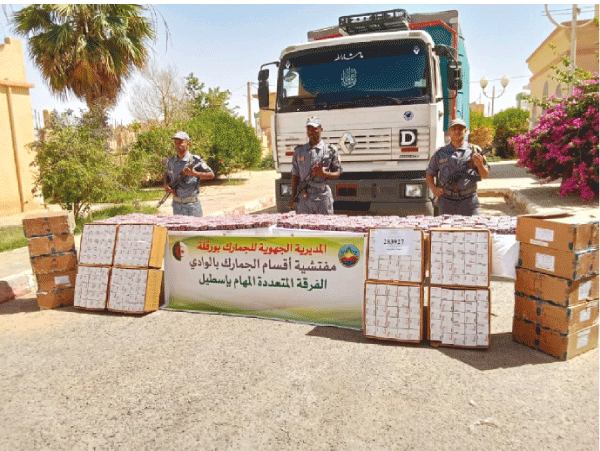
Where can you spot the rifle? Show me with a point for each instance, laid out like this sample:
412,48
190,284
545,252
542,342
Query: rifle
304,184
175,183
464,172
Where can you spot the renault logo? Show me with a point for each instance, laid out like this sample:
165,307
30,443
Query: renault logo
347,143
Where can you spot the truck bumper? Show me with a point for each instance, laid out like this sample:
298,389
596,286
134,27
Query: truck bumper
374,196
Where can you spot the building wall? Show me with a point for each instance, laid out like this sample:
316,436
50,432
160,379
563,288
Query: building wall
540,62
16,132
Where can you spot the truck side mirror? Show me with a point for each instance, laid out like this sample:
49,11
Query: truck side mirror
263,89
454,75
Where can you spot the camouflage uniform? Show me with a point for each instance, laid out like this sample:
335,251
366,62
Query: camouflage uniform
319,198
459,198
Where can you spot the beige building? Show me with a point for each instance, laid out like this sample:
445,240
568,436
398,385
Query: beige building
16,132
550,53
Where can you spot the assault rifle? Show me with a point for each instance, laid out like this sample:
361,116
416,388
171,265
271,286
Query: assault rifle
464,171
173,185
304,184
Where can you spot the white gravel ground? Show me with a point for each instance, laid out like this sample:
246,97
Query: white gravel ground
71,380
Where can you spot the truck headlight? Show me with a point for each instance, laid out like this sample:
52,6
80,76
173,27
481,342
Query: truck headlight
413,190
285,190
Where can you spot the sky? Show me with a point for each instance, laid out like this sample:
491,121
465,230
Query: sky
224,45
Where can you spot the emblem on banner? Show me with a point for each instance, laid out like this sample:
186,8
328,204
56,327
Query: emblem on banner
179,250
349,255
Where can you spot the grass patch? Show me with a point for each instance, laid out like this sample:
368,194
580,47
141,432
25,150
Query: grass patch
109,212
139,195
12,237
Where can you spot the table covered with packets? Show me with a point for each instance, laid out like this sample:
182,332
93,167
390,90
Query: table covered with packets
405,279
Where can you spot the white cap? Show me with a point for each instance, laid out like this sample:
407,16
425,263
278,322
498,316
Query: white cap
457,121
181,135
313,121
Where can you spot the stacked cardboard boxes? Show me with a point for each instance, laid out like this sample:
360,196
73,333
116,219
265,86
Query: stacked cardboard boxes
459,294
119,267
556,289
137,277
53,256
393,307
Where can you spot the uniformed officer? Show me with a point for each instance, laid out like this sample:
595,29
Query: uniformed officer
457,197
192,169
312,164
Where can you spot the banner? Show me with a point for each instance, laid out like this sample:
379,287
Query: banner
317,279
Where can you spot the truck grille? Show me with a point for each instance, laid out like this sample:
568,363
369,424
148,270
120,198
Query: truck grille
371,145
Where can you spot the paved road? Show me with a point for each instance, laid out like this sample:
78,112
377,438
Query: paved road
176,380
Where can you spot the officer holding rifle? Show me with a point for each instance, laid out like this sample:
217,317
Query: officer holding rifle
184,172
457,166
312,164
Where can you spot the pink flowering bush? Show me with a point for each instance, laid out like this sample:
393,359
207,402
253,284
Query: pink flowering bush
564,144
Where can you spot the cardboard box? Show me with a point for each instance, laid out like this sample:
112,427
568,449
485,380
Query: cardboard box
51,244
459,317
91,290
124,295
560,291
393,312
574,265
565,320
565,231
561,346
56,280
55,298
97,244
45,264
48,223
140,246
460,257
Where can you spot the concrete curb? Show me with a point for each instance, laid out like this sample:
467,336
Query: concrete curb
512,197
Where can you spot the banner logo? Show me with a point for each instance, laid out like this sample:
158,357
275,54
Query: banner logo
349,255
179,250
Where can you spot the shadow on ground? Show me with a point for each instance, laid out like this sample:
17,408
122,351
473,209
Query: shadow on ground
502,353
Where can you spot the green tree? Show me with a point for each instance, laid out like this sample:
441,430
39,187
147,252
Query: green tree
74,166
226,143
200,100
509,123
479,120
230,144
86,49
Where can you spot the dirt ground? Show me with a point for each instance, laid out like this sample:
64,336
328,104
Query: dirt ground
174,380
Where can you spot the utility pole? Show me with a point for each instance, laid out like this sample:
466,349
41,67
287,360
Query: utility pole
573,27
249,104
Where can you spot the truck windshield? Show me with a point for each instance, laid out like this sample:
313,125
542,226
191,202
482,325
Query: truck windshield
361,75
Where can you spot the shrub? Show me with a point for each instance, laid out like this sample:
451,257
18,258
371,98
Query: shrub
229,143
482,136
564,144
509,123
479,120
226,143
74,166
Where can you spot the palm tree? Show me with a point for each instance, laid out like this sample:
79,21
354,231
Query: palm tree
86,49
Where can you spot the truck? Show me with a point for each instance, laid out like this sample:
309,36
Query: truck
385,86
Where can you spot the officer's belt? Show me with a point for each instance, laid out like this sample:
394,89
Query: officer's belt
185,200
459,193
317,184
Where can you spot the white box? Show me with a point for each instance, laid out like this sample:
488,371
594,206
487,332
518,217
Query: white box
470,340
483,340
459,339
470,318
